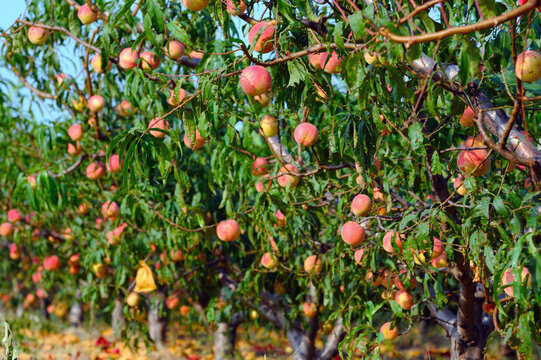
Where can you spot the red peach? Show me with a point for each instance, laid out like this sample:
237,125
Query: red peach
95,171
60,78
197,144
228,230
309,309
114,163
177,96
75,132
184,310
396,238
332,64
86,14
37,35
172,302
110,210
361,205
458,185
269,260
32,181
174,49
75,150
509,278
158,123
264,99
468,118
358,255
255,80
177,255
352,233
315,60
96,64
83,209
149,61
261,166
438,248
14,215
528,66
127,59
313,265
51,263
280,218
124,108
390,333
96,103
404,299
235,8
264,43
292,179
306,134
440,261
195,5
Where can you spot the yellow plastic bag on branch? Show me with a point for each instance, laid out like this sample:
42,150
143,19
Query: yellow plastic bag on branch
144,280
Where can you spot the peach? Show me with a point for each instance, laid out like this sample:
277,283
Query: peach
313,265
60,78
124,108
440,261
269,260
114,164
321,93
74,259
352,233
37,35
255,80
235,7
389,332
14,215
306,134
114,236
358,255
133,299
280,218
51,263
404,299
470,160
100,270
32,181
290,176
458,185
95,171
196,55
184,310
110,210
263,99
195,5
197,144
361,205
438,248
264,43
158,123
86,14
528,66
40,293
378,194
309,309
96,103
332,64
274,247
172,302
468,118
127,59
75,132
174,49
14,252
149,61
370,57
96,63
92,122
400,285
74,150
394,237
269,126
37,276
83,208
177,96
315,60
509,278
177,255
228,230
261,166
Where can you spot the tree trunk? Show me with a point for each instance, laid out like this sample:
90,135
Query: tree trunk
224,341
117,318
157,323
76,315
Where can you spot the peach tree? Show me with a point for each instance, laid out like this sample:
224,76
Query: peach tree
338,167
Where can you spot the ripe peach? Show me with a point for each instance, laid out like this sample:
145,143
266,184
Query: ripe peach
400,285
14,215
370,57
132,299
149,61
269,260
96,63
74,259
86,14
184,310
468,118
228,230
32,181
358,255
100,270
195,5
509,278
197,144
263,43
37,276
263,99
378,194
438,248
37,35
255,80
394,237
75,132
177,96
280,218
51,263
528,66
177,255
74,150
114,164
269,126
332,64
291,179
172,302
261,166
315,60
114,236
274,247
361,205
60,78
174,49
458,185
158,123
124,108
127,59
352,233
14,251
440,261
309,309
95,171
313,265
390,333
96,103
306,134
83,209
110,210
468,160
235,8
196,55
404,299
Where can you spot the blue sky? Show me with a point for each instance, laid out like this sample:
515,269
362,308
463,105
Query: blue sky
11,9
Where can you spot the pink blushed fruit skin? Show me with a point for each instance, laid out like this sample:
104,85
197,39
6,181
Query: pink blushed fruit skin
124,108
404,299
127,59
75,132
235,8
177,96
528,66
74,150
149,61
315,60
51,263
352,233
96,103
195,5
361,205
174,49
37,35
468,160
263,99
388,332
394,237
110,210
6,229
114,164
331,66
312,265
255,80
60,78
197,144
14,215
263,43
269,260
468,117
261,166
287,179
280,218
440,261
83,209
228,230
309,310
358,256
509,278
438,248
269,126
86,15
306,134
158,124
95,171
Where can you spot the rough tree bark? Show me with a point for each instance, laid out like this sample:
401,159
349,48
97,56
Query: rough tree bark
76,315
157,321
117,317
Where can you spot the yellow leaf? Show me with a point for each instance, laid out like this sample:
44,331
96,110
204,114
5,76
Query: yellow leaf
144,281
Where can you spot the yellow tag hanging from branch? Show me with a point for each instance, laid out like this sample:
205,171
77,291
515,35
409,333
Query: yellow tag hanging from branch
144,280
